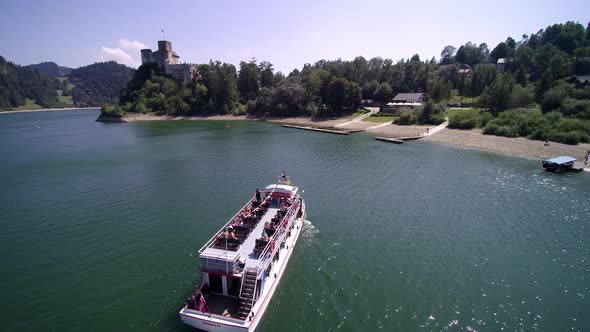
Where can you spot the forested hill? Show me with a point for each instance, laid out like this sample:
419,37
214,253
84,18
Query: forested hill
47,85
18,83
52,69
98,83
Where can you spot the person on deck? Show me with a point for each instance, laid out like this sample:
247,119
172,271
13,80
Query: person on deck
257,195
264,236
232,233
191,302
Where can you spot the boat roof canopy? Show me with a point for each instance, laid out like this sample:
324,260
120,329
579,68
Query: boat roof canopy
561,160
281,190
220,254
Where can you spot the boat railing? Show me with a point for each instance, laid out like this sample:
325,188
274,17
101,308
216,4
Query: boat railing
269,250
212,240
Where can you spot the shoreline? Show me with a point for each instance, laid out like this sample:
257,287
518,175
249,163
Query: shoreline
471,139
50,110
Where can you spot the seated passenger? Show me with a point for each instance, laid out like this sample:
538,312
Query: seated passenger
267,224
232,233
264,236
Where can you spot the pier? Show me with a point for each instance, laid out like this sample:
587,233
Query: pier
324,130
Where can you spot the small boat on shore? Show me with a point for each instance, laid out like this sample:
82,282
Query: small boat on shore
244,261
560,164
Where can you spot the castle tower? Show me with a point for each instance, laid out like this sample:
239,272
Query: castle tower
165,50
146,56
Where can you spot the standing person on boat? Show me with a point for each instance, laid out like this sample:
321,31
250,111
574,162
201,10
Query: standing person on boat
283,178
191,303
257,194
200,303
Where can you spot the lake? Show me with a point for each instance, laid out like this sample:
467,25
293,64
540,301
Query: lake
100,224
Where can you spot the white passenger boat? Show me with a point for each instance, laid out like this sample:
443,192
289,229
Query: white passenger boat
244,261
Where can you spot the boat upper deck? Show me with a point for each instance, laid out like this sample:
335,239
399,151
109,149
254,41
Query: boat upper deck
239,244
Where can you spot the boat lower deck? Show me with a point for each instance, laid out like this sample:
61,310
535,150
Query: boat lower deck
223,305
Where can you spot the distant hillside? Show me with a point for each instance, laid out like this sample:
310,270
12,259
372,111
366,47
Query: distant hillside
20,86
52,69
98,83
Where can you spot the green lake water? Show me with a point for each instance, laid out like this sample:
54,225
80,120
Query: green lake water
100,224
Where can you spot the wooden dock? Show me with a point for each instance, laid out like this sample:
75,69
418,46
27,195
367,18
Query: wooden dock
337,132
390,140
399,139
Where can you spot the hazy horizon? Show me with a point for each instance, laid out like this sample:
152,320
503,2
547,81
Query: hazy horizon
288,35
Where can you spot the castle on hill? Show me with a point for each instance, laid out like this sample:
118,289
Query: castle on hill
168,59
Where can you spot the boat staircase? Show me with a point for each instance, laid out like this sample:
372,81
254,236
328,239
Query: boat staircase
247,293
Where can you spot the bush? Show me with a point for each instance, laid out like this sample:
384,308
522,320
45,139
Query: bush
464,118
406,117
240,109
485,118
572,138
535,125
576,108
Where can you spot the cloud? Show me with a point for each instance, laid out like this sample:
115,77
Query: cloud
126,53
131,45
118,55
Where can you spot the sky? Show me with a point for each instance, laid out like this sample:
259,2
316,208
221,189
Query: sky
288,34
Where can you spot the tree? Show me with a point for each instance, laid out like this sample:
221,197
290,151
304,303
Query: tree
248,80
447,56
544,84
439,89
383,93
415,57
521,76
521,96
369,89
500,51
581,64
267,78
497,96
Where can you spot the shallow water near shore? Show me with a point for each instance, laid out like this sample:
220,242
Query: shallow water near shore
100,224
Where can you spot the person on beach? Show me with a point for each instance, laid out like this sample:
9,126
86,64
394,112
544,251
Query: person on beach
547,142
586,156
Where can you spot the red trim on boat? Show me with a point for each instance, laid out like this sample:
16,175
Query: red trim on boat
199,318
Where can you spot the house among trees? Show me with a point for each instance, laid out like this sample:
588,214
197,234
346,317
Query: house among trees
465,69
501,65
369,103
582,81
409,98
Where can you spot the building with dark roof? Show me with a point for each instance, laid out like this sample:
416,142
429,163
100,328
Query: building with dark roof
582,81
418,97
